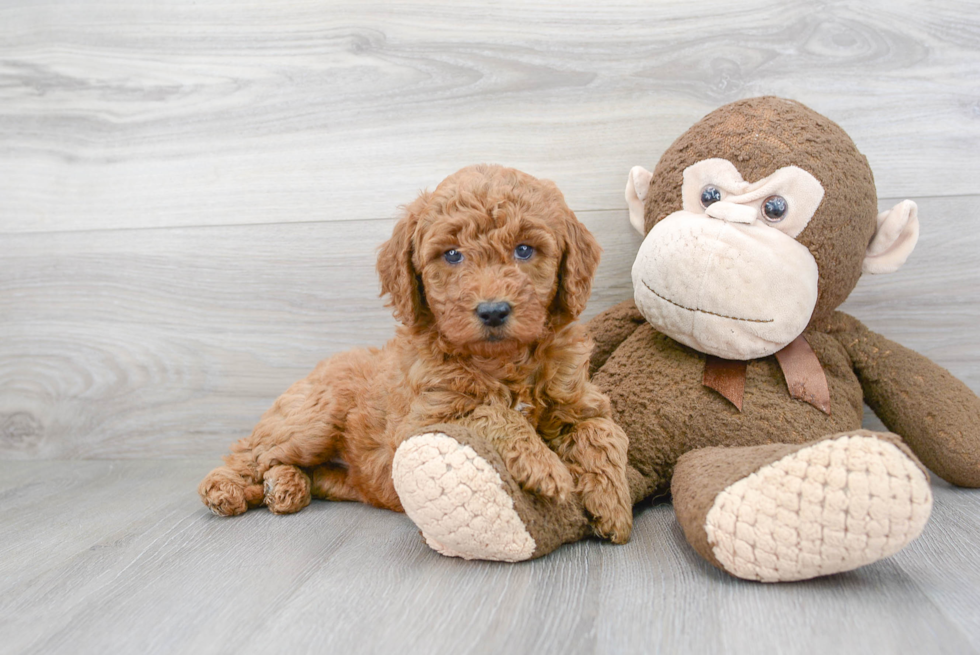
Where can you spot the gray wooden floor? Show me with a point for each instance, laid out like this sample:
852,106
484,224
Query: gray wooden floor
191,194
118,556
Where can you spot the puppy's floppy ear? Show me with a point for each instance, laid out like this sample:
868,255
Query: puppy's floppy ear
399,279
578,264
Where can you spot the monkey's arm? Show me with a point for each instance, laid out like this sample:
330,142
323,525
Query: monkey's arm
611,328
936,414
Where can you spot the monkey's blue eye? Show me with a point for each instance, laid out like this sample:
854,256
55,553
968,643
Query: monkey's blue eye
709,196
774,209
453,256
523,252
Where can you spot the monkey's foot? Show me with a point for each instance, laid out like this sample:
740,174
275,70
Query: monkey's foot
458,500
781,512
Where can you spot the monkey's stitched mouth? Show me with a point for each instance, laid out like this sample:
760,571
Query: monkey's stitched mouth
705,311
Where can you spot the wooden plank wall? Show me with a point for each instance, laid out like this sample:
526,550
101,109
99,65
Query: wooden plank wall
191,193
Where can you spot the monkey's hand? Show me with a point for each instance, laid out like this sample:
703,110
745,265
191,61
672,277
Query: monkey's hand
937,415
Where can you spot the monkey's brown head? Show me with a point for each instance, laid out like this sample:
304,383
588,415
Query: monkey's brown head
759,220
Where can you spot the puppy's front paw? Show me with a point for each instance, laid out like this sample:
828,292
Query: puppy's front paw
541,472
609,504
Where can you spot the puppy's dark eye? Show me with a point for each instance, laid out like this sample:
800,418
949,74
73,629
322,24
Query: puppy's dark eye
523,252
774,209
453,256
710,195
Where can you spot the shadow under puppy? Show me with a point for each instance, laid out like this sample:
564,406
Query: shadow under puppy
486,274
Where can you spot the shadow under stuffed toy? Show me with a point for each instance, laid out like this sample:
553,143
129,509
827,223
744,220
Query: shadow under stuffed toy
740,386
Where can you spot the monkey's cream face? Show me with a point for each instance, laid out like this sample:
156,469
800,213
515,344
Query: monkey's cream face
725,275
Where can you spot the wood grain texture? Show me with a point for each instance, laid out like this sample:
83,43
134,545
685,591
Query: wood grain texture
347,578
172,342
122,115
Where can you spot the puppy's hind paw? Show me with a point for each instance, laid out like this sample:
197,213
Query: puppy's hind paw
287,489
223,492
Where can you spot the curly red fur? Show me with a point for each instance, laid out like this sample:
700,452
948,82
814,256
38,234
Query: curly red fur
523,385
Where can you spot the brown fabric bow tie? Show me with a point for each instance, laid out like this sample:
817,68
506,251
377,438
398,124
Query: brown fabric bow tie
801,368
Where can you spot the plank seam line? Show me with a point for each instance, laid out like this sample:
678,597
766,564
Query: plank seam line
346,220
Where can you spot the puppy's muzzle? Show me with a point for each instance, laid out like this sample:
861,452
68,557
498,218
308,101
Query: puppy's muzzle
494,313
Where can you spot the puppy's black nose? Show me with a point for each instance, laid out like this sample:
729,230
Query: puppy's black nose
493,314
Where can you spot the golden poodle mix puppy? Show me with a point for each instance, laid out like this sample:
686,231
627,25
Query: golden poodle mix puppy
486,274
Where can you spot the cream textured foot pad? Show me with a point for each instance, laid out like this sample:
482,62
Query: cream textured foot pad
827,508
458,500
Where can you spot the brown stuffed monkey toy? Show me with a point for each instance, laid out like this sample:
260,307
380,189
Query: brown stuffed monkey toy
740,386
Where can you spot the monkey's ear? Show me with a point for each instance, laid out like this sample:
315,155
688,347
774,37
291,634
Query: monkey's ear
897,233
637,186
399,279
